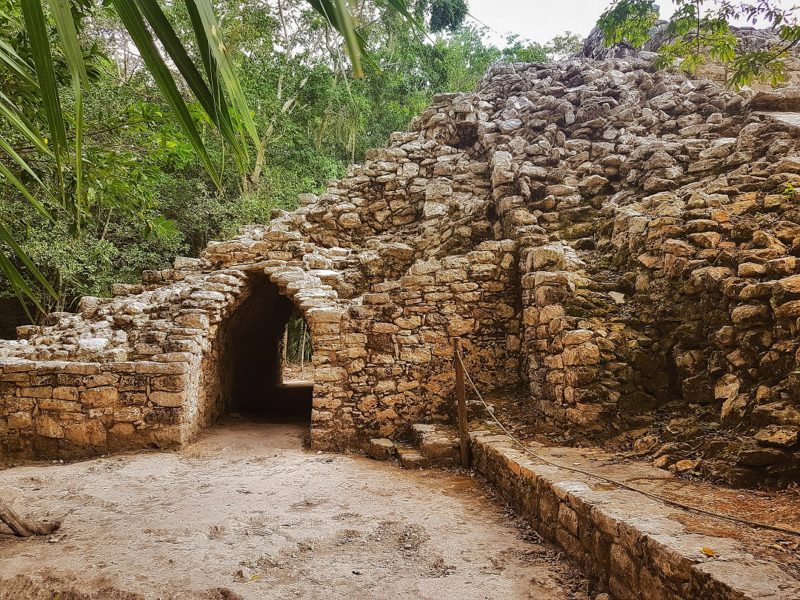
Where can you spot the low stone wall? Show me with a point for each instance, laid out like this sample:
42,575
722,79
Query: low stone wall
629,545
70,409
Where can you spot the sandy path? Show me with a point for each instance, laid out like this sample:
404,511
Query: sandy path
247,513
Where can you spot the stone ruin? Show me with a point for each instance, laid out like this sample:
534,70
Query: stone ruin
620,244
749,39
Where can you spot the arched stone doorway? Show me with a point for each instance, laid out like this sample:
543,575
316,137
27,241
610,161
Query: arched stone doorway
240,369
247,359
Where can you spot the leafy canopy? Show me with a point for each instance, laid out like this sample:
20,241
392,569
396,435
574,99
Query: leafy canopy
45,76
700,30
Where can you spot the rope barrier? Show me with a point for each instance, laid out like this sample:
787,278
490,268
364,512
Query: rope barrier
674,503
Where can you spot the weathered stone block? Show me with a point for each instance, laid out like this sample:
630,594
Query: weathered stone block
167,399
381,449
48,426
19,420
101,396
86,433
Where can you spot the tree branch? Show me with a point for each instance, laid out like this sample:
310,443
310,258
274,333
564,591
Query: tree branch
23,527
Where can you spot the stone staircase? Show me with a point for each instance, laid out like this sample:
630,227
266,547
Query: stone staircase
430,446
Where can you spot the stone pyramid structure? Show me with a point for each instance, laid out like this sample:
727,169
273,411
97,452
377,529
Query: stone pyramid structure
620,243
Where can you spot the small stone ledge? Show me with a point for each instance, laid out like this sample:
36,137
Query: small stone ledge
630,545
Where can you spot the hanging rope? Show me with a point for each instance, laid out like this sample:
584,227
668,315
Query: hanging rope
674,503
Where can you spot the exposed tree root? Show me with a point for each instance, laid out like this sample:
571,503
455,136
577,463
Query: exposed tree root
25,527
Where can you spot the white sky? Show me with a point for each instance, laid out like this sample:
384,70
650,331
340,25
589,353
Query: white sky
541,20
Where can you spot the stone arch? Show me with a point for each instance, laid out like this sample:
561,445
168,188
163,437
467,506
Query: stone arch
240,369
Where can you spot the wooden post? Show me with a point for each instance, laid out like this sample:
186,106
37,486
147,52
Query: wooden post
463,429
303,346
285,353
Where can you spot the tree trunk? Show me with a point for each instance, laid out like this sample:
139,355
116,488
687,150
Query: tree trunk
25,527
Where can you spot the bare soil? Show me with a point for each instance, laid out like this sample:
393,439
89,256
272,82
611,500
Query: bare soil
246,513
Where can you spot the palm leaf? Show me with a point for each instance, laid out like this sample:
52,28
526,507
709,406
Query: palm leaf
354,48
62,15
6,172
22,290
225,66
19,286
5,236
22,126
36,28
401,6
10,58
134,23
213,104
9,149
205,52
337,15
77,206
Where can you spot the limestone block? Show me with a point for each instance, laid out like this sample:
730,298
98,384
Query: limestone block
166,399
750,314
727,387
329,374
582,354
48,426
19,420
99,397
381,449
87,433
416,355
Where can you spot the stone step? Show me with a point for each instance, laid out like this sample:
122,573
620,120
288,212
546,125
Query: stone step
381,449
410,457
634,546
126,289
437,442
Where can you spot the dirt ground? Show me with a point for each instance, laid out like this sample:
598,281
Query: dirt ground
246,512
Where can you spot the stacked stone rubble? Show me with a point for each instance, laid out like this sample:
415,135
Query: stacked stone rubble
621,241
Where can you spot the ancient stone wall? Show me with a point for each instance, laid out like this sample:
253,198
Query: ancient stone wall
400,367
71,409
588,165
621,241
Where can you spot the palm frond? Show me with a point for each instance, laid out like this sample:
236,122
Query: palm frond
212,102
225,66
12,60
134,23
36,28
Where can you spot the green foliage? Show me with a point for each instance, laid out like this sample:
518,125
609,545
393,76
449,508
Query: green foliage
445,14
298,338
564,46
695,37
700,30
519,50
628,22
42,47
146,194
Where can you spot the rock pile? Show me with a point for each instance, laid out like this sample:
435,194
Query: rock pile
749,39
622,241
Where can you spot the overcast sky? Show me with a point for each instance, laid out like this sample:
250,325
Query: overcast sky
541,20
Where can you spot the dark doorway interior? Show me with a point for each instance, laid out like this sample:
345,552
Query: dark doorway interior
250,358
12,315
